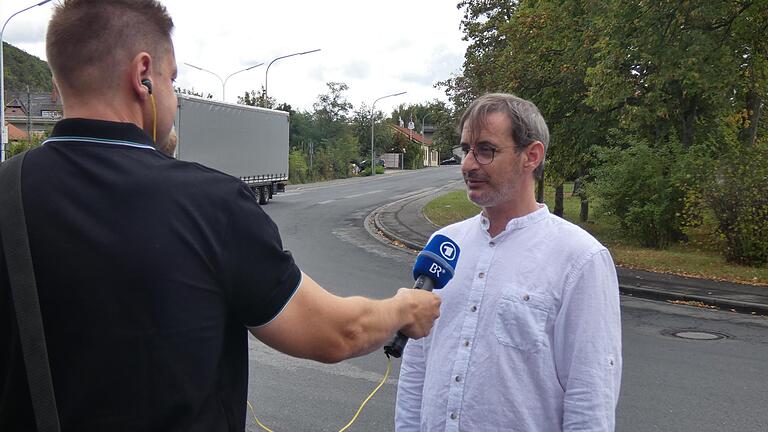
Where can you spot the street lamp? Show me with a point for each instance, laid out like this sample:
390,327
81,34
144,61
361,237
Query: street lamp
373,122
266,74
422,124
3,135
223,81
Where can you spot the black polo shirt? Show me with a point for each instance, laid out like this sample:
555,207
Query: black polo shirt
149,269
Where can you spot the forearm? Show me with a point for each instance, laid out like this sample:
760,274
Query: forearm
368,324
321,326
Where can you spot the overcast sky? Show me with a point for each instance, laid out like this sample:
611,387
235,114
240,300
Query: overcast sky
377,48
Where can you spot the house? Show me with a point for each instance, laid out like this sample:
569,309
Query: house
33,112
429,156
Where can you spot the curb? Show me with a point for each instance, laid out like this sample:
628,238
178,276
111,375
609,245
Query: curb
723,304
374,220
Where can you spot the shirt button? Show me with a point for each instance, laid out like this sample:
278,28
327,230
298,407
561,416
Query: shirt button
491,244
458,378
526,297
466,343
473,308
481,275
454,416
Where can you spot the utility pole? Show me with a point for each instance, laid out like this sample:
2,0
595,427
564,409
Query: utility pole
29,117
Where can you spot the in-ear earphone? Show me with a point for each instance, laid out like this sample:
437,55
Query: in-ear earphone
146,82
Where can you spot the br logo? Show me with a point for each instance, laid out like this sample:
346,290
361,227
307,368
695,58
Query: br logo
448,250
436,270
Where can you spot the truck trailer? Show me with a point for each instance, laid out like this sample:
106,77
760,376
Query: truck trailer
249,143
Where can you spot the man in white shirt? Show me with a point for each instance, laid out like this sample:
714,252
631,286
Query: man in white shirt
529,337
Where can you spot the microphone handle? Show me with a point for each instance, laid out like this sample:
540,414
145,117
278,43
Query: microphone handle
395,348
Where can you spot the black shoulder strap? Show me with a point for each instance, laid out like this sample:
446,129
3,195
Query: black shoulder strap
21,274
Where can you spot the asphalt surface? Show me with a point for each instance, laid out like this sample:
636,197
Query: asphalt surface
403,222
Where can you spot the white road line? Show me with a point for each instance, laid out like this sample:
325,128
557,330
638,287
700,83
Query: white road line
364,193
326,202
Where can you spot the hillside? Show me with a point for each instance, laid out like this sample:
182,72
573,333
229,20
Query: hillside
22,70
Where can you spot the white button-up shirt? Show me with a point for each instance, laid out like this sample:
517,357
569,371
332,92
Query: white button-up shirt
529,334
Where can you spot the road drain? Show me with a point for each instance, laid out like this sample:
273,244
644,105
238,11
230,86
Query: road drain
695,335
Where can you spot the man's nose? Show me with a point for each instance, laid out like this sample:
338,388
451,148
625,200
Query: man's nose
468,162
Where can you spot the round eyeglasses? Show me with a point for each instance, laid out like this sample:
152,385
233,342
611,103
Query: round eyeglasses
483,152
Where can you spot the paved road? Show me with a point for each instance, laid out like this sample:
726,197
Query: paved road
670,384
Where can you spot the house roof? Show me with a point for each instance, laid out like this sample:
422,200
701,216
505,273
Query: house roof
39,102
413,135
15,134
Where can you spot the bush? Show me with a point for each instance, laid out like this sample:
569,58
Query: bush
638,186
367,171
16,147
297,167
733,186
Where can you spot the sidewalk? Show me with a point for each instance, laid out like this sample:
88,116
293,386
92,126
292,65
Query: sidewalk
403,221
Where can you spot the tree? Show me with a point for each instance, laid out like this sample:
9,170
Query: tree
192,92
540,51
361,127
259,99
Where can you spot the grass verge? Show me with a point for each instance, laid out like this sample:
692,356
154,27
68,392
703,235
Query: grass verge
700,257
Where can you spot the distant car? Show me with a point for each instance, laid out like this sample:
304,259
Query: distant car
450,161
364,163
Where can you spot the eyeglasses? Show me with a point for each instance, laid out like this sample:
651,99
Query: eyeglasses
483,152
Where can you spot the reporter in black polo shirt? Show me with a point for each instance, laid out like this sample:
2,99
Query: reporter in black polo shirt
151,270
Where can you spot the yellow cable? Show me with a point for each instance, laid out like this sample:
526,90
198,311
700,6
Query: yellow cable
253,413
359,410
154,118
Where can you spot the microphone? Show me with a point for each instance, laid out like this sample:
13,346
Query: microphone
433,270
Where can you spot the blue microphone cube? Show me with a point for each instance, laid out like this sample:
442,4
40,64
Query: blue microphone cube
437,260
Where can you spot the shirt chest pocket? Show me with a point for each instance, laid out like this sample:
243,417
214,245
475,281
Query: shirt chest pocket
521,319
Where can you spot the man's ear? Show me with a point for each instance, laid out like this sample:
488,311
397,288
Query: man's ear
141,69
534,155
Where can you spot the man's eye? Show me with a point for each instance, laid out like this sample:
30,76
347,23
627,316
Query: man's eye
465,149
484,149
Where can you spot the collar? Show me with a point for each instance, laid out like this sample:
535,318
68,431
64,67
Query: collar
518,222
100,131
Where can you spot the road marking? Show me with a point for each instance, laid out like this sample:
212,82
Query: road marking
326,202
364,193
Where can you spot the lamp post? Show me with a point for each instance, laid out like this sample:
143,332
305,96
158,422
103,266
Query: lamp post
373,122
266,74
223,81
422,124
3,135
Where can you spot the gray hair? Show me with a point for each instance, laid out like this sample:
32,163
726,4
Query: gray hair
528,124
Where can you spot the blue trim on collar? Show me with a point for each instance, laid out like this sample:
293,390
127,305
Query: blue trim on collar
97,141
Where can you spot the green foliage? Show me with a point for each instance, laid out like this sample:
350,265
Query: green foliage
638,185
192,92
733,186
367,171
682,82
16,147
298,171
22,70
259,99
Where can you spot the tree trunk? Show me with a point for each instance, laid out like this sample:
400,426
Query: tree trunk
576,187
689,122
559,209
584,211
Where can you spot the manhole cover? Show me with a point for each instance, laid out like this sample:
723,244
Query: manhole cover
698,335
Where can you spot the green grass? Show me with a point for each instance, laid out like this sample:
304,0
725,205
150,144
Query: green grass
699,257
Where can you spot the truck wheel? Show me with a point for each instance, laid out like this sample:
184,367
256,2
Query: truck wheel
263,195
